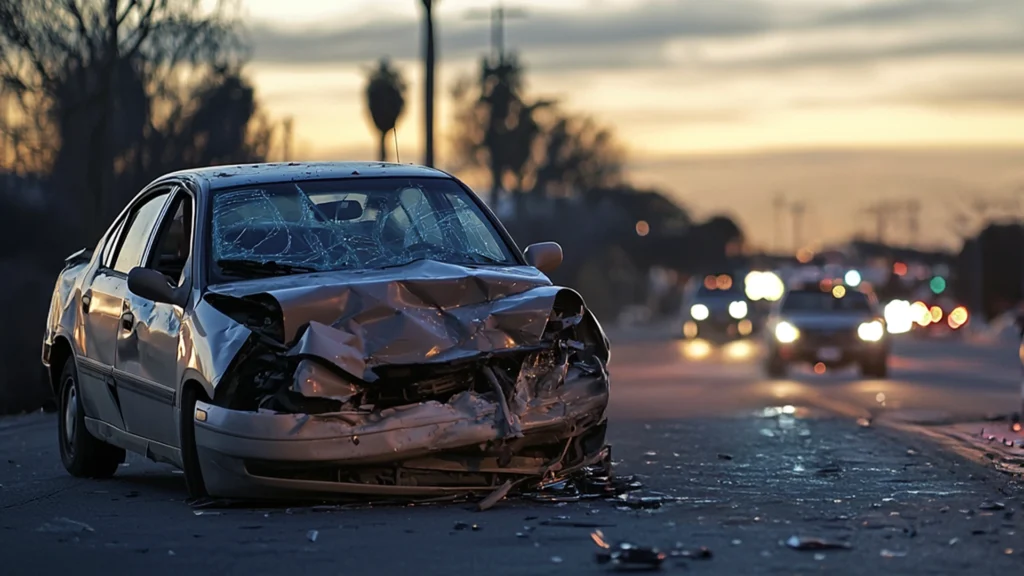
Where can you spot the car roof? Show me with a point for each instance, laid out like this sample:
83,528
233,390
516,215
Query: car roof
267,173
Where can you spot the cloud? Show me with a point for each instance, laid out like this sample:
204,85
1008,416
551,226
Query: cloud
643,37
648,25
904,12
1009,44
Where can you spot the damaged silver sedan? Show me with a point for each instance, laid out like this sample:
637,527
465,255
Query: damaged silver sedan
324,329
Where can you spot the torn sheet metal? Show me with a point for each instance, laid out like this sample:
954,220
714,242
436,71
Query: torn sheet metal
428,312
437,378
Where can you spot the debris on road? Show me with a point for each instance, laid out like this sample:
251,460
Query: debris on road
893,553
65,526
722,456
992,506
811,543
701,553
626,555
312,535
466,526
495,497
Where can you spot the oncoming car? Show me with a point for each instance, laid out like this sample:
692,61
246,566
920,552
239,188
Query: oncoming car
717,309
836,327
323,329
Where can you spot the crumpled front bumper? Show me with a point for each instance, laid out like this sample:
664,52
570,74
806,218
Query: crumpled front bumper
237,447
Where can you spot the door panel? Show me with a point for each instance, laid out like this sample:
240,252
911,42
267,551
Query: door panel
101,303
146,364
147,368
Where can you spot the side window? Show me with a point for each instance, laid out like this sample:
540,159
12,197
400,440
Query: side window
107,256
173,244
133,242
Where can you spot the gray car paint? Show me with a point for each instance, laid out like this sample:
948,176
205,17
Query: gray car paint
134,356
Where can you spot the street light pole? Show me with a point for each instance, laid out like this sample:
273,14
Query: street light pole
428,64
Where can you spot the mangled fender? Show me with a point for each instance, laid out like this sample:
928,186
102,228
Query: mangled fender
428,312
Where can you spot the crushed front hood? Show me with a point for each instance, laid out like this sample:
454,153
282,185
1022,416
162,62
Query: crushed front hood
424,312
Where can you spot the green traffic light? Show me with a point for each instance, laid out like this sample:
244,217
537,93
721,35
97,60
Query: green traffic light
938,285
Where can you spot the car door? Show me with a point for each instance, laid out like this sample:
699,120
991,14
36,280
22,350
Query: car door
146,363
103,290
110,284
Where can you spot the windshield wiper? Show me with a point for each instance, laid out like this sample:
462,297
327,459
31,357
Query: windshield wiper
271,267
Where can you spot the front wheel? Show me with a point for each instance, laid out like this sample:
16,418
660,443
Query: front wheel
83,455
194,482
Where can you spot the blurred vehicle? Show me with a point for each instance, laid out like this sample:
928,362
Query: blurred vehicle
718,309
323,328
835,327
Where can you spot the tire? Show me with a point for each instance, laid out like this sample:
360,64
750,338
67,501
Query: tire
875,368
83,455
776,367
193,473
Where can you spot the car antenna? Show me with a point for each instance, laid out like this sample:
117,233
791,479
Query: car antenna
398,159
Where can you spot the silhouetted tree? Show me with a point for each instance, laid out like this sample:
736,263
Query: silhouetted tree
385,98
529,145
101,73
110,94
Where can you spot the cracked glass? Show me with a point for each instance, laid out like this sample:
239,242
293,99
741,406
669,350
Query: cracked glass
352,224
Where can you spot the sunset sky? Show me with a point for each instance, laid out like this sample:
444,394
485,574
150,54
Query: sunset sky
721,103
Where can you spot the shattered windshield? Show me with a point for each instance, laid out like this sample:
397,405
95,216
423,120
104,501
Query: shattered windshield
350,224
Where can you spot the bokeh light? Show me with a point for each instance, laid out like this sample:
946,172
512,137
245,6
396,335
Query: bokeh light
724,282
957,318
899,317
899,269
920,313
839,291
643,228
763,286
852,278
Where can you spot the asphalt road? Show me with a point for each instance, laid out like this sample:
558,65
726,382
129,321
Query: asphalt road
744,464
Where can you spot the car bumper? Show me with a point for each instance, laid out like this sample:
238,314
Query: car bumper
716,328
831,353
438,448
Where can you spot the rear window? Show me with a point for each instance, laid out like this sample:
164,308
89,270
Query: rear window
818,301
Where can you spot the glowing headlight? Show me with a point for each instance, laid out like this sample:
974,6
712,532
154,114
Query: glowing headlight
699,312
786,332
871,331
738,309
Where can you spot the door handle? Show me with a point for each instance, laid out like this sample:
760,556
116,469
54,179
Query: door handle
128,321
86,300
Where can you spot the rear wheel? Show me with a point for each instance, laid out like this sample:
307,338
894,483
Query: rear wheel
875,367
189,454
83,455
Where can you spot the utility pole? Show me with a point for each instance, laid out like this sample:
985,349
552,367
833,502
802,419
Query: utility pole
779,204
497,15
287,139
880,214
797,209
429,57
913,222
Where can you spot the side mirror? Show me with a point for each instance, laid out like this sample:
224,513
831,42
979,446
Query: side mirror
544,256
152,285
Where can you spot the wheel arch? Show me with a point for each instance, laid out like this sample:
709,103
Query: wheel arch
60,352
